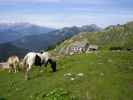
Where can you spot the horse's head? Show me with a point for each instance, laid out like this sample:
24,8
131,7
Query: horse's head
53,64
46,58
22,66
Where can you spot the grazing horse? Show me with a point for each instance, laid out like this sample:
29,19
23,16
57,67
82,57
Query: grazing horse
13,62
37,59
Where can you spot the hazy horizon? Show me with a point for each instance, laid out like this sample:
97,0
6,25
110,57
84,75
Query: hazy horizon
65,13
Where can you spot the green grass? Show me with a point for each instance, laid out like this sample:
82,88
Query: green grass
107,76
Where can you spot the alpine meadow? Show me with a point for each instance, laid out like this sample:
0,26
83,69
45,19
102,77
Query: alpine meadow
66,50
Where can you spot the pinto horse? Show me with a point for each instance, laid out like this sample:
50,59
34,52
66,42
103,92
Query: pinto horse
38,59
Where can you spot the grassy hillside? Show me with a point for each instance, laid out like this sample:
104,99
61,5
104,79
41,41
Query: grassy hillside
117,36
103,76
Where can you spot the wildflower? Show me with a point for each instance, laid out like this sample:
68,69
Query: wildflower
68,74
72,79
80,74
101,74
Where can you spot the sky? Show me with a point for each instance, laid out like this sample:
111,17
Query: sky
62,13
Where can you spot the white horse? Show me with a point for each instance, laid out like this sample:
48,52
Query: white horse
38,59
13,63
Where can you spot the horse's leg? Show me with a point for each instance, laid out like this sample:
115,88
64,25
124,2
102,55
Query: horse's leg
53,64
27,74
10,68
15,70
14,66
17,67
27,71
46,63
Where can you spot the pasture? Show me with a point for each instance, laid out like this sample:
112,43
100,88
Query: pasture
94,76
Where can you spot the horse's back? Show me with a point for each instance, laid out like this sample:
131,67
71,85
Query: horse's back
46,56
29,59
13,59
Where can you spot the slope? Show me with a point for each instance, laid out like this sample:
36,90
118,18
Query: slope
101,76
112,37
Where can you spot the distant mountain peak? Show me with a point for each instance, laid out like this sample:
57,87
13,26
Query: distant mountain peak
19,24
43,41
14,31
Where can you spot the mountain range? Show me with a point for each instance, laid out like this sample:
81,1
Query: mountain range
23,37
13,31
114,36
43,41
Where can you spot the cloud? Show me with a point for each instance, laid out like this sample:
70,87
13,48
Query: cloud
60,13
90,2
28,1
62,20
